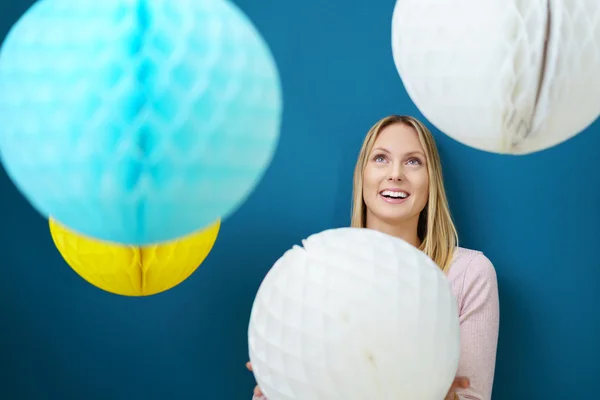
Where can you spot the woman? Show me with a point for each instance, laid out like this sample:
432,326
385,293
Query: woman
398,190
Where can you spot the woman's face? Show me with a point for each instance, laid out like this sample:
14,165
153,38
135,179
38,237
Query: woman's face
395,179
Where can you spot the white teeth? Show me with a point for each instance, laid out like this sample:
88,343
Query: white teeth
389,193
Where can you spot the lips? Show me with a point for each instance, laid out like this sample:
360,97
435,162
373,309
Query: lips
394,194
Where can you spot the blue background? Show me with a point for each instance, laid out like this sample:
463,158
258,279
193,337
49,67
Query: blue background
535,217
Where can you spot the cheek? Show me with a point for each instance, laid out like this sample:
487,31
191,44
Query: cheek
421,185
370,180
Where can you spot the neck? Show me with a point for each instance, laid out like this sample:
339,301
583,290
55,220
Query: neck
405,230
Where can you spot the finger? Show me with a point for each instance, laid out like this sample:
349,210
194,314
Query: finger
257,391
249,365
461,382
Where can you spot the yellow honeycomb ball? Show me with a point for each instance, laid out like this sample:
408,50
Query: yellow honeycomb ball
131,270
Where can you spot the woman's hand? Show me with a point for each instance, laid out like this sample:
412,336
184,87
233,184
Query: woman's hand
257,391
460,382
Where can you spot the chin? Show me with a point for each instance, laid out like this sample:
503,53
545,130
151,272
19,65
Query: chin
394,218
392,214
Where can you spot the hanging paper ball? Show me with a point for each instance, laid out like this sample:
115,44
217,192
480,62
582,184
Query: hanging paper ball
508,77
137,121
130,270
354,314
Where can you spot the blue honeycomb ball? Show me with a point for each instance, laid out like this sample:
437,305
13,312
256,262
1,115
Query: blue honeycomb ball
137,121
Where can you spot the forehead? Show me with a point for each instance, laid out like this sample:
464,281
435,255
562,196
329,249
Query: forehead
399,138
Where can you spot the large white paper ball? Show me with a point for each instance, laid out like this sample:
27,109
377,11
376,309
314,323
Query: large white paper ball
354,314
503,76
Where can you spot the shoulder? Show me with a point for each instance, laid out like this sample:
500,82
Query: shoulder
472,276
471,264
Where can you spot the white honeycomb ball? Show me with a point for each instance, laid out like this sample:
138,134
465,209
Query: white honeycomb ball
354,314
504,76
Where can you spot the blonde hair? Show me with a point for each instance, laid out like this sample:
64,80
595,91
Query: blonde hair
436,229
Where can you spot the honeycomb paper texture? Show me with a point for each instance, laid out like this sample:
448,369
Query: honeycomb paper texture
130,270
354,314
137,121
505,76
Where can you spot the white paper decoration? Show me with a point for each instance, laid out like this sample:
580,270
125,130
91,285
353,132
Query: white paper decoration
505,76
354,314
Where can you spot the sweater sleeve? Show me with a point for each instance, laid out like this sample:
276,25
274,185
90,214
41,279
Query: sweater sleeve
479,325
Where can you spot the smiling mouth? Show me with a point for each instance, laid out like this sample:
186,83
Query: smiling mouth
394,194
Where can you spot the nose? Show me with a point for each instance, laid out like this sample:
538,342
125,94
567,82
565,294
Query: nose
396,173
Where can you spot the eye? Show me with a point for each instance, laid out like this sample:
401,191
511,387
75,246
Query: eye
414,161
379,158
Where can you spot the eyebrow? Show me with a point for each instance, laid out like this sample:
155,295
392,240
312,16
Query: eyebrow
410,153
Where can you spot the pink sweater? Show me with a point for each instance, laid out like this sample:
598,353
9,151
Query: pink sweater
474,284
